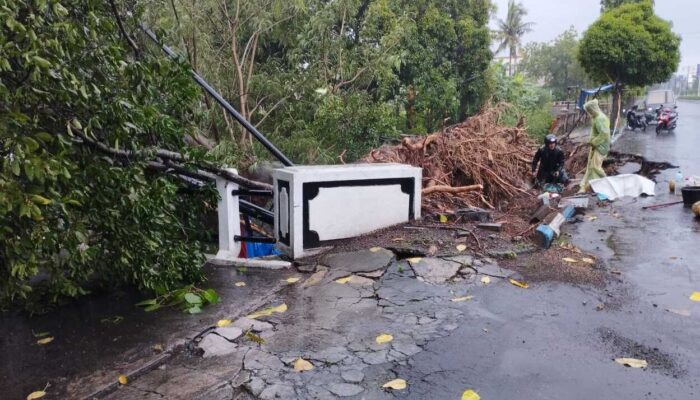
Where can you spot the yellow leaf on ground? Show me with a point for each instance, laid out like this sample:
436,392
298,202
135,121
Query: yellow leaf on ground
695,296
123,380
519,284
443,218
588,260
569,260
158,348
36,395
463,298
268,311
45,340
414,260
360,280
396,384
384,338
344,280
301,365
485,280
223,322
239,284
592,218
375,249
470,395
293,279
461,247
632,362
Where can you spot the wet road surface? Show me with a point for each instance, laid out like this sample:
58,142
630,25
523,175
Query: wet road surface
550,342
101,336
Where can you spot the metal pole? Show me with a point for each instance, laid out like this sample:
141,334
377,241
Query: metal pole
225,104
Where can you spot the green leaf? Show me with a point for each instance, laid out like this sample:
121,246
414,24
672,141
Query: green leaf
40,200
31,144
59,10
148,302
194,310
41,62
152,307
192,298
45,137
211,296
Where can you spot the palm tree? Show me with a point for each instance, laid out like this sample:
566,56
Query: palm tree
511,31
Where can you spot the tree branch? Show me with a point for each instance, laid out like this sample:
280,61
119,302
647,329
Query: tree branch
270,111
171,157
345,83
128,38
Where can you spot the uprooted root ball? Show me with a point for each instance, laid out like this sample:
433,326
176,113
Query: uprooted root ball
479,151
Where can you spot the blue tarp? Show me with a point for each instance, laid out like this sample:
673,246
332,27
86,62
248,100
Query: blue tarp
585,93
254,250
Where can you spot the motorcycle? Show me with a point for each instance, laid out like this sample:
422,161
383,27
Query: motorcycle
668,119
650,116
635,120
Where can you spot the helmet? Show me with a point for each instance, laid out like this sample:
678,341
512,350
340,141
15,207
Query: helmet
550,139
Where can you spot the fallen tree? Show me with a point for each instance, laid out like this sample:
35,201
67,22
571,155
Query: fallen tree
480,161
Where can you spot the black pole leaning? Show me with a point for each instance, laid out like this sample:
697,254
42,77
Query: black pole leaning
225,104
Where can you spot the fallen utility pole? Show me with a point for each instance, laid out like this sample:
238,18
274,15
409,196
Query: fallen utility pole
655,206
225,104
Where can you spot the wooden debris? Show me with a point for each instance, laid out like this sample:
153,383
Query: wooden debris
479,152
490,226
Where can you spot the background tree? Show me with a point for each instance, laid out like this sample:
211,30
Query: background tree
629,45
511,30
555,63
606,5
324,79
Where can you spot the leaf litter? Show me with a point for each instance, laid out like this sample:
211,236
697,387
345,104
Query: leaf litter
266,312
396,384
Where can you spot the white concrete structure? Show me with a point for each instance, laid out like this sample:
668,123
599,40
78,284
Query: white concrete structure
229,220
315,205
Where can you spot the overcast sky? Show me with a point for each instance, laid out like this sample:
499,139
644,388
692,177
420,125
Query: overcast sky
552,17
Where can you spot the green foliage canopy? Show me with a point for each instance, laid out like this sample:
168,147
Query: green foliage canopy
555,63
70,216
630,45
606,5
328,78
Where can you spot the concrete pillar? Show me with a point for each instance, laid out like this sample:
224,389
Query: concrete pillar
229,219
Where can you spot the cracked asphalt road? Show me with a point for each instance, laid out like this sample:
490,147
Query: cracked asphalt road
550,341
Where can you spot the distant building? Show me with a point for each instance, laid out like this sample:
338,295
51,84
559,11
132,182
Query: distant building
504,58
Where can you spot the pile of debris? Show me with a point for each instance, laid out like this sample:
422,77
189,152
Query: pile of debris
479,162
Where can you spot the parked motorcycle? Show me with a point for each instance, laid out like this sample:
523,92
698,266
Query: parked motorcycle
668,119
635,120
650,116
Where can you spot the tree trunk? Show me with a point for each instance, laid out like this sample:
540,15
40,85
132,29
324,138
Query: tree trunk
615,106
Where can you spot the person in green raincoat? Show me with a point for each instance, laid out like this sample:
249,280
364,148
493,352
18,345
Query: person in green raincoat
599,142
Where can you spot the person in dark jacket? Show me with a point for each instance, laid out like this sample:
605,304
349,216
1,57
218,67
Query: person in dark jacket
551,163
